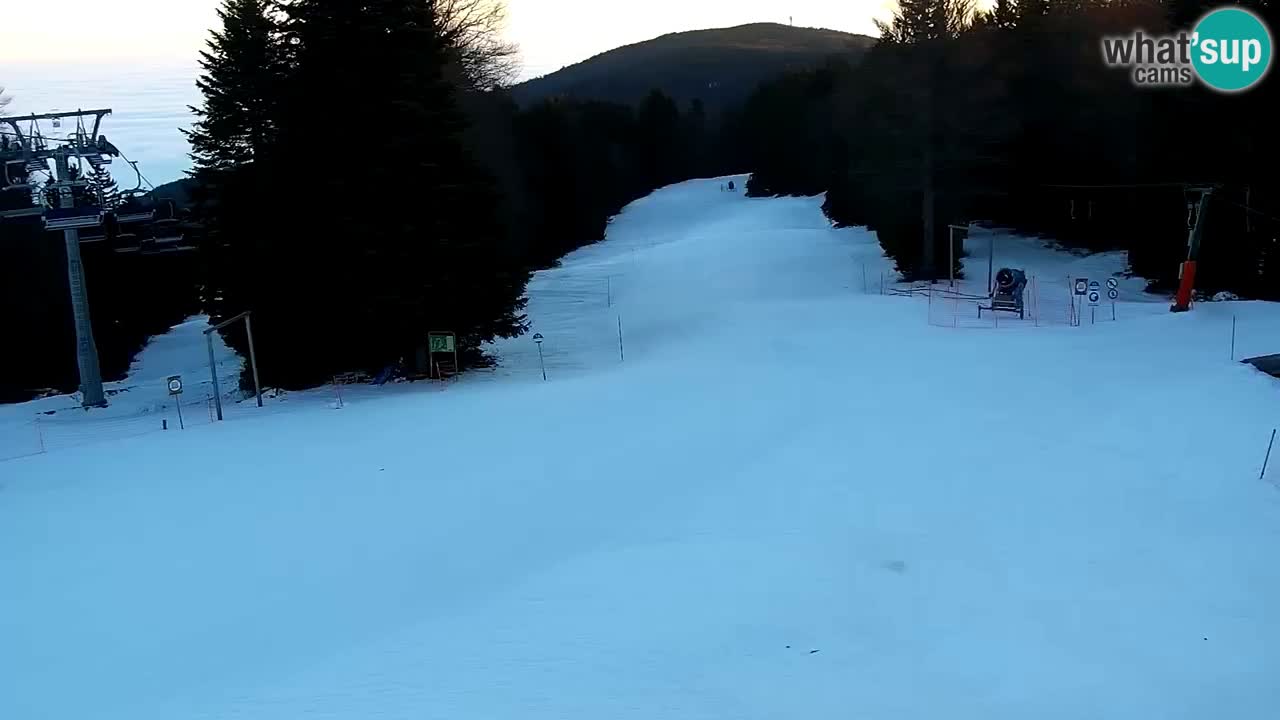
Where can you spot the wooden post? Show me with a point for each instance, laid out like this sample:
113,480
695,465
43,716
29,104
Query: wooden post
253,357
213,371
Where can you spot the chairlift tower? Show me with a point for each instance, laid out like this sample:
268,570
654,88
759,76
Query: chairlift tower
35,151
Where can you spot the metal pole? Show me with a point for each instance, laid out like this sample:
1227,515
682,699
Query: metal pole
541,363
951,254
1233,338
622,356
213,372
991,259
86,348
1268,457
609,289
177,400
253,357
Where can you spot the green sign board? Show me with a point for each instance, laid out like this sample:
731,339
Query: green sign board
440,342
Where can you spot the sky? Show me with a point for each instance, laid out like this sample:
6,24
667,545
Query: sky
551,33
138,56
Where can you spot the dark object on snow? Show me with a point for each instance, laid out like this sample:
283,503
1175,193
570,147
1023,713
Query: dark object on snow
385,376
1269,364
1007,295
731,186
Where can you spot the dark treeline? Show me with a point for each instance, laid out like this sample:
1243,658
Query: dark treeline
956,116
365,179
362,176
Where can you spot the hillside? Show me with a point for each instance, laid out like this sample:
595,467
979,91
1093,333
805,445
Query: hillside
779,504
719,66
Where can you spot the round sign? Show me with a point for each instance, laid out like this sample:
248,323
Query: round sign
175,385
1113,293
1093,296
1080,286
1113,283
1233,49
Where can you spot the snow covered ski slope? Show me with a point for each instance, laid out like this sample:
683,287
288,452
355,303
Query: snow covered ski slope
791,499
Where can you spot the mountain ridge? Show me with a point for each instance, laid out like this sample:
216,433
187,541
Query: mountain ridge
719,66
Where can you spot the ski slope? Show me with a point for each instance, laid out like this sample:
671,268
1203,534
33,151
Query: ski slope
791,499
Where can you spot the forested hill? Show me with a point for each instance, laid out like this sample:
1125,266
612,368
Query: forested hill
720,67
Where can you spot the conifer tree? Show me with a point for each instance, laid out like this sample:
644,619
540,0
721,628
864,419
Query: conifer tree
241,81
103,188
381,236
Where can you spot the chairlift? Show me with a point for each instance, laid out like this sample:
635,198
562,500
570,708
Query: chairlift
34,211
10,183
167,230
73,218
130,210
127,243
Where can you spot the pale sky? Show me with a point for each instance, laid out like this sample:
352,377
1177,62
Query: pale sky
551,33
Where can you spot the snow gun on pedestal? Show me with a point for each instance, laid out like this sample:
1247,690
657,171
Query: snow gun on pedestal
1007,295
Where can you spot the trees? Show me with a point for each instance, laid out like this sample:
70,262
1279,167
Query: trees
103,188
362,242
471,30
241,84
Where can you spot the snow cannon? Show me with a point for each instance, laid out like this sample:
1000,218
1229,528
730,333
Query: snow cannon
1008,293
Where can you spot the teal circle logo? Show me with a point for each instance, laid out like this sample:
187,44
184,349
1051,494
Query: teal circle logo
1231,49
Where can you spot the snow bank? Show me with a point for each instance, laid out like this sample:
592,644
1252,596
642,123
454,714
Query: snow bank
792,499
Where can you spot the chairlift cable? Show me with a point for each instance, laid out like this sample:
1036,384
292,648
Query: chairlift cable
1246,208
135,168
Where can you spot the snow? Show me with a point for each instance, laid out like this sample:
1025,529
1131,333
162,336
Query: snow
138,405
793,498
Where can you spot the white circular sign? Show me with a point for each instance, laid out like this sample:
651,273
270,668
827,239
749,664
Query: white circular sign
1113,283
1093,296
175,386
1113,293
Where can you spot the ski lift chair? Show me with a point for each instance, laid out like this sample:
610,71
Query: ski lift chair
131,209
9,181
73,218
167,230
126,243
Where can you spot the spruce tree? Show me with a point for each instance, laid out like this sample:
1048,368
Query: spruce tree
372,239
103,188
241,81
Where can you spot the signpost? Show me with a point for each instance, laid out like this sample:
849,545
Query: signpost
1081,288
175,391
1094,297
1113,292
442,342
537,337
